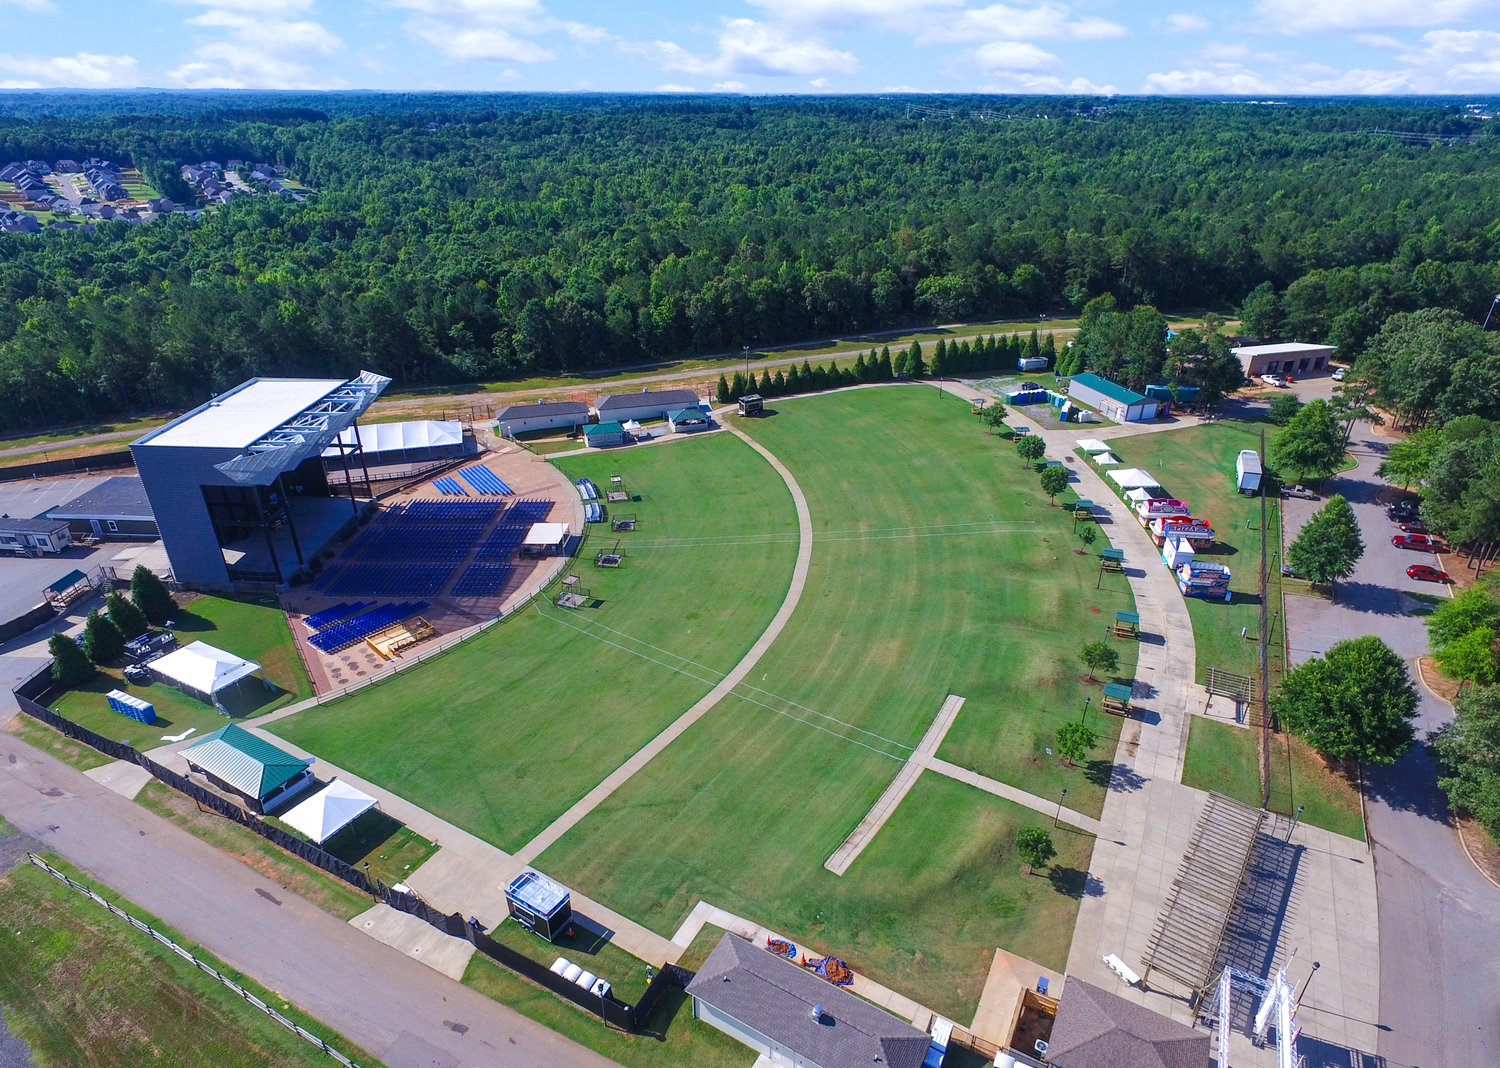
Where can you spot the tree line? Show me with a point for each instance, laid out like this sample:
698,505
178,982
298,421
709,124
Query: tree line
458,239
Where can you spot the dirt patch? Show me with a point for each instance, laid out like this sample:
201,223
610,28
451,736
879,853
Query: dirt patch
1435,680
1481,848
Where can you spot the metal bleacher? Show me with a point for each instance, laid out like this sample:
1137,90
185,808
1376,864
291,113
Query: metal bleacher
482,480
449,487
319,620
527,512
482,579
586,489
347,632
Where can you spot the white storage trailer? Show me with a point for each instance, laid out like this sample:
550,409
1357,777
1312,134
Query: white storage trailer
1247,473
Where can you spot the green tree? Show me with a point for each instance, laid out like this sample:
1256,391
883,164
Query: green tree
151,595
1468,748
1463,612
1034,846
1074,740
1355,704
915,368
1409,460
70,664
1471,657
722,395
1088,534
1030,448
1310,447
764,388
994,418
1329,545
1283,408
1054,481
1261,312
102,640
125,615
1098,656
887,372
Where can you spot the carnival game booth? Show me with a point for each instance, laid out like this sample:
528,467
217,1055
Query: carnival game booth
1199,578
328,811
206,672
1197,532
539,904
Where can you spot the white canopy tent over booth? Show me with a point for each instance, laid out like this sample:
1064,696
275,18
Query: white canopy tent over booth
1092,445
1133,478
328,811
205,671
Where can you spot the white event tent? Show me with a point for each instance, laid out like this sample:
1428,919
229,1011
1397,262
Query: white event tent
203,670
1133,478
328,811
1092,445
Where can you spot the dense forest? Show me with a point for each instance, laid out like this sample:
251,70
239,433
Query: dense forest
458,238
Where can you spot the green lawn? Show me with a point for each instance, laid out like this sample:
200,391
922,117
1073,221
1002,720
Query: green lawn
500,735
1222,757
81,986
1196,465
36,733
391,849
250,628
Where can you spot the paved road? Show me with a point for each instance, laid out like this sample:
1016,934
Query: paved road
400,1010
1439,919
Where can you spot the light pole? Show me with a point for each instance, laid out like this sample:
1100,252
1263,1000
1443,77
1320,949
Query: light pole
1084,719
1294,830
1493,305
1316,966
747,363
1060,801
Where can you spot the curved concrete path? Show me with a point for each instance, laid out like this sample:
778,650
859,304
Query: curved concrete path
621,775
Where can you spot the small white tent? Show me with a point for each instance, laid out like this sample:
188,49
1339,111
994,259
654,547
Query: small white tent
1133,478
1093,445
328,811
204,670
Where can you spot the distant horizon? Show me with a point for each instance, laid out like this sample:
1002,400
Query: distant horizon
1266,48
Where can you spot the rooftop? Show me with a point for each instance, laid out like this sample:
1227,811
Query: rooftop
1097,1029
541,408
776,998
1112,390
537,892
234,420
120,497
1285,347
247,763
31,526
665,398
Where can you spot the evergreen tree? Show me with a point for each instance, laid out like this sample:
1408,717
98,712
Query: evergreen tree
102,640
765,383
887,372
1329,545
70,664
860,370
151,595
723,396
125,615
915,368
737,387
1049,350
794,380
809,379
778,384
940,365
1033,346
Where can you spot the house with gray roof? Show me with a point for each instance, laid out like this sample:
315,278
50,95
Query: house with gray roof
1097,1029
792,1016
543,415
623,407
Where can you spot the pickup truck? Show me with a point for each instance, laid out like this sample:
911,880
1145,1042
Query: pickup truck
1299,491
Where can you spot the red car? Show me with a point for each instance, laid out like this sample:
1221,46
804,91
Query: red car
1414,526
1427,573
1420,542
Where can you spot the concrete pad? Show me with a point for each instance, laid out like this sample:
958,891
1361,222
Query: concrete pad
416,938
1009,977
124,777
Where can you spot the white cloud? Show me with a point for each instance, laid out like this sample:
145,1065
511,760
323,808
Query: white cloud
671,88
854,14
747,47
82,70
821,83
1180,23
730,87
1294,17
262,46
501,30
1024,82
38,6
908,89
1012,55
1002,21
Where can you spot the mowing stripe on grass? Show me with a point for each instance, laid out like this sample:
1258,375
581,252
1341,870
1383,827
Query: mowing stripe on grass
932,530
735,691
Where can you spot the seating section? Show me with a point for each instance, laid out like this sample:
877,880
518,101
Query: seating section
355,629
482,580
593,512
587,490
319,620
482,480
449,486
392,580
527,512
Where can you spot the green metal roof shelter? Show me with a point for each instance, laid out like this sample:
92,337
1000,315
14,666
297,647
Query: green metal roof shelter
252,767
1117,555
1133,618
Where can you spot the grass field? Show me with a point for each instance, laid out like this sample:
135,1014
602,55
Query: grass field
1222,757
38,734
248,628
938,567
1196,464
533,713
80,986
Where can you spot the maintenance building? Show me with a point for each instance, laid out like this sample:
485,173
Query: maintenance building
543,415
1113,400
646,404
115,508
1292,358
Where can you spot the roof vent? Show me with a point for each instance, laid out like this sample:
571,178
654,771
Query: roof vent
817,1012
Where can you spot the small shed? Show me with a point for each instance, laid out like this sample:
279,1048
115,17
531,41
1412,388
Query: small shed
688,421
603,435
752,405
646,404
1116,698
263,774
1128,625
1113,400
116,507
539,904
544,539
543,415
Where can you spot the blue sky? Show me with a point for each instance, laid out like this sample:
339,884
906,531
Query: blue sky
1260,48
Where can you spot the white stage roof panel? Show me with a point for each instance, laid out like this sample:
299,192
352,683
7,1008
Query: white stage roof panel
240,417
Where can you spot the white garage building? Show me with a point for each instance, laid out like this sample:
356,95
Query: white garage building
1112,400
543,415
646,404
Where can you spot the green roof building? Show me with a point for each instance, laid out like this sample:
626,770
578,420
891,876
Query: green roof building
234,759
1113,400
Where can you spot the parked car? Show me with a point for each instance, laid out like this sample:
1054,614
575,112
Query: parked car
1288,571
1414,526
1338,373
1299,491
1420,542
1401,511
1427,573
1273,380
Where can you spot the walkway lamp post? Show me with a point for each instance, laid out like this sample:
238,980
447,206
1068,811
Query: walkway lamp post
1084,719
1060,801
